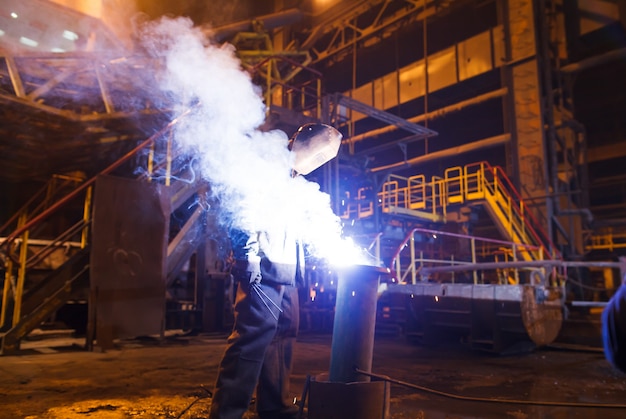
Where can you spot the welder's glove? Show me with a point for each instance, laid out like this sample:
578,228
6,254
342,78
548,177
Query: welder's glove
253,256
255,277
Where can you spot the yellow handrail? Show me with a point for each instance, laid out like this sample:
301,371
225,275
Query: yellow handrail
607,239
21,278
460,184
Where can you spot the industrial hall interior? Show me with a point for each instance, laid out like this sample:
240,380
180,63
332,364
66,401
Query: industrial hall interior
481,170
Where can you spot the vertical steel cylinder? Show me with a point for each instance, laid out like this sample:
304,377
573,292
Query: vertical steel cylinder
354,324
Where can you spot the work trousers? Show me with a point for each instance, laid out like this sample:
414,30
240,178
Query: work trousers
259,351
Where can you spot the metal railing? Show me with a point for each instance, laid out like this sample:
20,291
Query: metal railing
610,239
474,182
284,91
424,248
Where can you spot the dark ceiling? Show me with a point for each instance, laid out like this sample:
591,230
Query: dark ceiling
213,12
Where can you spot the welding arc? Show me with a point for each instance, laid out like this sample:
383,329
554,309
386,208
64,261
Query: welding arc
486,399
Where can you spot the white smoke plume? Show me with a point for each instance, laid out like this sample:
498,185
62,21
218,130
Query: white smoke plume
249,170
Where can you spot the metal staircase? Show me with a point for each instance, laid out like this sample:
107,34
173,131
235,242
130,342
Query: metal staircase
513,217
440,199
44,269
67,282
43,259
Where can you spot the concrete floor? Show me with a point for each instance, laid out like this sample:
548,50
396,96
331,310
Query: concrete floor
53,378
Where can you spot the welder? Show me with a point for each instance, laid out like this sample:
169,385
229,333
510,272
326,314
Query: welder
268,267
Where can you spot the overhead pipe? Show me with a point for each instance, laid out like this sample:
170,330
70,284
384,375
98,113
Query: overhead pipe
432,115
548,263
594,61
453,151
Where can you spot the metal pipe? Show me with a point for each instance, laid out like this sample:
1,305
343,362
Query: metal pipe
14,75
486,399
476,145
577,211
354,324
594,61
521,264
432,115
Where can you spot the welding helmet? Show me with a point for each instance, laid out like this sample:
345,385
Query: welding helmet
312,146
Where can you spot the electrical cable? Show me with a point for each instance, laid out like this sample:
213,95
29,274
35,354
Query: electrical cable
487,399
256,288
196,400
260,291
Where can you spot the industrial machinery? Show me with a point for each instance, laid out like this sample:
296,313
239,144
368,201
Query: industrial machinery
482,165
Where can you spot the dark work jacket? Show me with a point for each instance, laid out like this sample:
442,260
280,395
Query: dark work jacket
275,257
614,329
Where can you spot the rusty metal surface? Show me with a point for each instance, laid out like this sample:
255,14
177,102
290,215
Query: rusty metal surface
542,314
495,318
130,230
